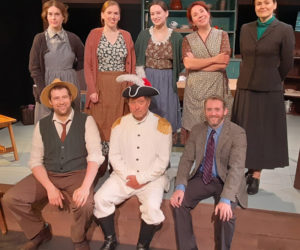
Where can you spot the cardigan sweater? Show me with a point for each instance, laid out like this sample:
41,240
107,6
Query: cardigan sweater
36,58
176,41
91,59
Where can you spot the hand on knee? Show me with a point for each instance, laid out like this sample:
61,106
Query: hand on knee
224,210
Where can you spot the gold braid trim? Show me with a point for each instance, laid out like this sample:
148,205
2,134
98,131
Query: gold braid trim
163,125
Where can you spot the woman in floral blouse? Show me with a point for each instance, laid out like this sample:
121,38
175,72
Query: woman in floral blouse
109,52
158,50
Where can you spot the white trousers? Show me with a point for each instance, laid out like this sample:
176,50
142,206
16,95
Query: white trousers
114,191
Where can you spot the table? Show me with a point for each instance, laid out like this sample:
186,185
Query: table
6,122
181,85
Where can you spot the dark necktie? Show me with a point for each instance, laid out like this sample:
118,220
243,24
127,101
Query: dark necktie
64,132
209,158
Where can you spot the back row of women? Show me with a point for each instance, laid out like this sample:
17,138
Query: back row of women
160,54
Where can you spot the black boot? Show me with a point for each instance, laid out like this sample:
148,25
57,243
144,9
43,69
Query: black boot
253,186
108,228
110,242
249,177
146,234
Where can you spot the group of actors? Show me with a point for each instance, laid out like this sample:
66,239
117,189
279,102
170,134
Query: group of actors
132,116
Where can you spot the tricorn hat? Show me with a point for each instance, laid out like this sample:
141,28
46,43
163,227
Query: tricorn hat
57,82
141,86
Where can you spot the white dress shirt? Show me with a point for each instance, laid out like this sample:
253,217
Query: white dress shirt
92,139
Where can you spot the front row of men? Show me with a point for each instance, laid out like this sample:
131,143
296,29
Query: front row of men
66,154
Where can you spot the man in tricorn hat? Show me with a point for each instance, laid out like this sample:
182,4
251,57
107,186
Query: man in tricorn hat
140,148
64,161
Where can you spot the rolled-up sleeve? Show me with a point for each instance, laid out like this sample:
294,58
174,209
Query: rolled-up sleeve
37,148
93,142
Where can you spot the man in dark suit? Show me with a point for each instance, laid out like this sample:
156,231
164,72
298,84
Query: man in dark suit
218,149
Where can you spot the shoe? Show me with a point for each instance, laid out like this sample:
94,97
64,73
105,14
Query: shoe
140,246
147,232
253,186
249,177
83,245
108,228
43,236
110,243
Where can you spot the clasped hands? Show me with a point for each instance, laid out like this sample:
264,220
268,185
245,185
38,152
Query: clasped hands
56,197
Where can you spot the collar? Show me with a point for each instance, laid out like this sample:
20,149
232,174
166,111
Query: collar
52,33
218,129
267,23
70,117
144,119
160,42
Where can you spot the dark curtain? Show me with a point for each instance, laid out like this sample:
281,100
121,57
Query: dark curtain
19,22
85,17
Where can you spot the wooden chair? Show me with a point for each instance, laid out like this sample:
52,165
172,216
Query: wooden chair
6,122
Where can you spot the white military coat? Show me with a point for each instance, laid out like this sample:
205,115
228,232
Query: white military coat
140,148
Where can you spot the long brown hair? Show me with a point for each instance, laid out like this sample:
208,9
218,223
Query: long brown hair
61,6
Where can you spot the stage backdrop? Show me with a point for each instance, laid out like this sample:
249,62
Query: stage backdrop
20,21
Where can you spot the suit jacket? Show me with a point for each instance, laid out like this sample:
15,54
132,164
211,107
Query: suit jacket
230,159
265,62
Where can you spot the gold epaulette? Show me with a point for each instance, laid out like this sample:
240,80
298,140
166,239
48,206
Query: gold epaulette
163,125
117,122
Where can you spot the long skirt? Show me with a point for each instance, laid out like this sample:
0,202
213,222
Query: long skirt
262,115
111,104
166,104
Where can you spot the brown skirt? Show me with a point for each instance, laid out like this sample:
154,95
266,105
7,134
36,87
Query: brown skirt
111,104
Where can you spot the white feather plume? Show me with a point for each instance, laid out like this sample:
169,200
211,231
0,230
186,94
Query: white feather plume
130,78
140,71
